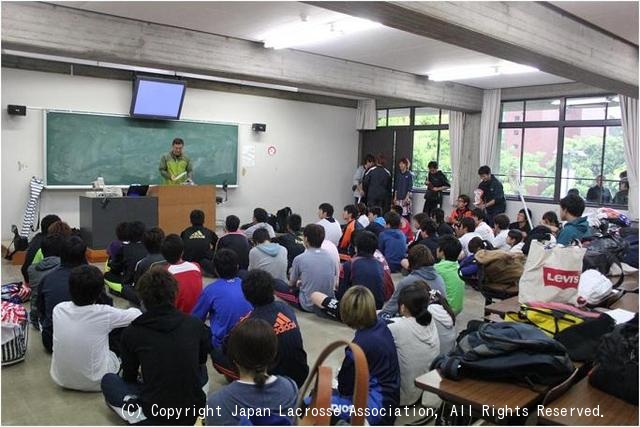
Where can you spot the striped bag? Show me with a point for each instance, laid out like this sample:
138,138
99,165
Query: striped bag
15,333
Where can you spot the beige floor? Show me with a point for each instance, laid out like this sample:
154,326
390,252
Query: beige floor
29,396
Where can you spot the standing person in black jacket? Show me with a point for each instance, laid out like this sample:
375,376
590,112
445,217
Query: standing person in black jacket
436,182
171,349
35,244
377,185
291,359
491,195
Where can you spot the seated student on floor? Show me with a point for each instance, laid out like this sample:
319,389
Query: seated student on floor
152,240
376,221
312,271
362,269
421,263
443,316
500,231
448,251
465,232
114,250
121,271
268,256
405,225
260,217
576,226
291,359
358,311
416,338
51,249
428,236
482,228
415,224
292,240
550,220
515,241
252,347
163,354
187,274
443,228
521,222
54,288
236,241
392,242
58,227
85,343
224,304
199,241
350,215
332,229
34,245
363,214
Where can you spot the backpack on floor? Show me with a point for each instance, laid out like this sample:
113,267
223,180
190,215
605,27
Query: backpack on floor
15,333
615,369
505,351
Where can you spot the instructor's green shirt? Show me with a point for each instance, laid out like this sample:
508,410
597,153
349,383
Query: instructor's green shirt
171,165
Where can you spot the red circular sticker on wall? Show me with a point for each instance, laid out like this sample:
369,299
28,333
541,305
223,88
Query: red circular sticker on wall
271,150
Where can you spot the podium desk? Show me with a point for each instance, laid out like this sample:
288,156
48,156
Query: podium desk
100,216
175,203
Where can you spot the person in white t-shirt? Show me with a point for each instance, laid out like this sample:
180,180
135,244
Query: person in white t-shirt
81,351
482,228
514,240
332,229
465,232
501,230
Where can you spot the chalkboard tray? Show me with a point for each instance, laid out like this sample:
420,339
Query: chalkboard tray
80,147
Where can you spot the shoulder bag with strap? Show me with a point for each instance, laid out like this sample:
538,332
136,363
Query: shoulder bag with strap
318,387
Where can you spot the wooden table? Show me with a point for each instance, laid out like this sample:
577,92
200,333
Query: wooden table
504,306
613,411
477,393
629,301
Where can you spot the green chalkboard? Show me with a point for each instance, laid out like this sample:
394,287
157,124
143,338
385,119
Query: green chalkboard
81,147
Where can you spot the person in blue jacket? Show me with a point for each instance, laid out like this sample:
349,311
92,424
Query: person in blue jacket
358,311
576,227
392,242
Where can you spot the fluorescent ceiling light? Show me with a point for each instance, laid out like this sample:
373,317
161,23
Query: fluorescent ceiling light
462,73
306,32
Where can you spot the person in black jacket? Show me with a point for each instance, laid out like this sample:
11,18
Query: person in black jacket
199,242
235,240
292,240
377,185
291,359
170,348
436,182
122,269
35,244
492,195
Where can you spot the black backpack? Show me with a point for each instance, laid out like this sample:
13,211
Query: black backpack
603,251
506,351
616,366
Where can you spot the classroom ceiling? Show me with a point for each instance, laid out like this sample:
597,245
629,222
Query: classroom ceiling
383,47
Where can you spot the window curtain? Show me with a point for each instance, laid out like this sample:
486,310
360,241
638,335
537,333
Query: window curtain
366,115
456,133
489,149
629,109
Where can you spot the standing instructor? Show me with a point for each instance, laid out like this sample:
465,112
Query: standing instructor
175,167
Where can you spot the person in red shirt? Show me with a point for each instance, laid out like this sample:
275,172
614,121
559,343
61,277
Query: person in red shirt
187,274
405,226
461,210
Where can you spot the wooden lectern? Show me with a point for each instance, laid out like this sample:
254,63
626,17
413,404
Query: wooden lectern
175,203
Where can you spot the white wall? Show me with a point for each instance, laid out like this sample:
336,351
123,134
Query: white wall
315,159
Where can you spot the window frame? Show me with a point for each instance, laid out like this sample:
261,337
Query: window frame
561,124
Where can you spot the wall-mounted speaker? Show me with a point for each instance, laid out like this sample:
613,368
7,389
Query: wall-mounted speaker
17,110
259,127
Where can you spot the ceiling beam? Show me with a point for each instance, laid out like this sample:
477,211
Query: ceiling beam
58,30
524,32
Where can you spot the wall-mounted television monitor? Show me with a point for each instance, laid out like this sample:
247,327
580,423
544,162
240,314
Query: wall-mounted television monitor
156,98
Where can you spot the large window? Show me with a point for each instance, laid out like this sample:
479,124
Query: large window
550,146
430,127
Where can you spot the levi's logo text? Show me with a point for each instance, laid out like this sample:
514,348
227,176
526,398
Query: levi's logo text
560,278
283,324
